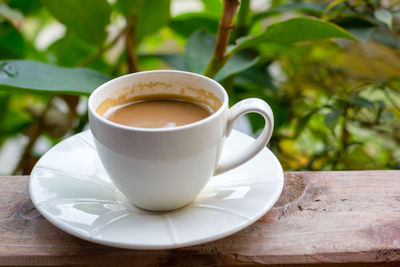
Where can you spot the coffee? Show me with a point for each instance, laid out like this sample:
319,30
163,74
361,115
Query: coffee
157,113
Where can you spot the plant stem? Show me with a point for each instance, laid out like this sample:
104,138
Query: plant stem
130,43
101,50
224,29
34,132
242,22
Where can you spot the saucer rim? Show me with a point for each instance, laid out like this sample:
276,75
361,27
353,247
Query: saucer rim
64,227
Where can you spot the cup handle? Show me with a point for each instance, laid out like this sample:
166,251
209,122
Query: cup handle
250,105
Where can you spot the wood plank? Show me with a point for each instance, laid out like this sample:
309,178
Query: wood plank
321,217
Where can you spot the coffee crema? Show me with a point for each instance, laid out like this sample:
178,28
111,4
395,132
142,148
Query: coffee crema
157,113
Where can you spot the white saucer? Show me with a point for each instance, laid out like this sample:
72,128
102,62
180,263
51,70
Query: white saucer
70,188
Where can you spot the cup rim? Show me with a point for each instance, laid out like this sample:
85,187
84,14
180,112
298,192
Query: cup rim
171,129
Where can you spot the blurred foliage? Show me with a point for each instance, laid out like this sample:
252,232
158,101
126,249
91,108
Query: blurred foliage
336,101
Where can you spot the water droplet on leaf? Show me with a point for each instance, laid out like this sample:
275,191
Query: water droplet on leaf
8,69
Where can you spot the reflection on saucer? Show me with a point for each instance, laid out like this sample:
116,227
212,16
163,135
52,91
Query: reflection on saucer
70,188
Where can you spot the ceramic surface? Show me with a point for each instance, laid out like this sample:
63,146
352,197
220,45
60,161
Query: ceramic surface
150,166
71,189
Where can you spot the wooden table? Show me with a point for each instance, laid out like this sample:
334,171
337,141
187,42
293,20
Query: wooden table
321,217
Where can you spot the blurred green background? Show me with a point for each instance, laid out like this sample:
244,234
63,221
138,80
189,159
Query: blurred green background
329,69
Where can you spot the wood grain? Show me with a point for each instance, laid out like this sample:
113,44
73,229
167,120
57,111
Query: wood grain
321,217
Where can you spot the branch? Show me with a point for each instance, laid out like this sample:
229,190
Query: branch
224,29
34,132
130,44
101,50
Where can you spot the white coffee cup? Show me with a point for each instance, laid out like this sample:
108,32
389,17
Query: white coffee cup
163,169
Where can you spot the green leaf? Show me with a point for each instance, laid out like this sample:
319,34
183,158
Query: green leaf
176,61
315,9
332,118
301,125
187,24
77,49
87,18
387,116
384,16
364,34
41,77
11,121
237,63
384,36
25,6
292,31
213,7
127,7
4,98
14,122
357,25
256,76
11,42
153,15
361,101
199,50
